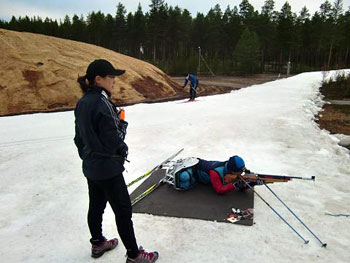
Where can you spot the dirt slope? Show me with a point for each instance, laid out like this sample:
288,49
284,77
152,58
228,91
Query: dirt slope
38,73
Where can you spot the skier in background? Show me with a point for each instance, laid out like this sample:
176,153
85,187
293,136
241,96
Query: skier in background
193,85
100,131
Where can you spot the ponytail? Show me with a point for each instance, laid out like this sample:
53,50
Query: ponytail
83,83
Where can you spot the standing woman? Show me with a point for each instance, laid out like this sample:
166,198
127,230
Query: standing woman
99,137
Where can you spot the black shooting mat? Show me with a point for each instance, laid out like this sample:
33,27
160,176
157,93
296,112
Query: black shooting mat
200,202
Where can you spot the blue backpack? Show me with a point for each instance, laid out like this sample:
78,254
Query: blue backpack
180,173
185,179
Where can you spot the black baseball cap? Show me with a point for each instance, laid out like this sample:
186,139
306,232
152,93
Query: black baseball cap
103,68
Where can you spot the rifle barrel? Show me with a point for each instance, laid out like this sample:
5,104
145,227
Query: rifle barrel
286,177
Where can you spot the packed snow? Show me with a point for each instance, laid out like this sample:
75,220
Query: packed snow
272,126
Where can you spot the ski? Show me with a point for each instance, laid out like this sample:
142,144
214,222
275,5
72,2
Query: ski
147,192
188,101
155,168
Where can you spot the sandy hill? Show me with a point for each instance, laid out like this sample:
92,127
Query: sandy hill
38,73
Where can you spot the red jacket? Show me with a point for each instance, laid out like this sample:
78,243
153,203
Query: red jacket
217,184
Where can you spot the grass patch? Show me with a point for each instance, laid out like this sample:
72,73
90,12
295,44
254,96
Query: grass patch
336,118
337,88
342,108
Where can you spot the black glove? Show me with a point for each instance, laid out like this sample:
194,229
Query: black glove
239,184
259,182
123,150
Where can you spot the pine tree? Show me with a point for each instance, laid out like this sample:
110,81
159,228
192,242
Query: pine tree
157,22
108,30
95,25
246,54
337,9
139,32
78,28
66,28
268,8
246,10
287,37
267,31
345,32
304,15
3,24
215,31
120,27
326,10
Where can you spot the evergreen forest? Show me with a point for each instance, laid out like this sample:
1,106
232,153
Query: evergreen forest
231,41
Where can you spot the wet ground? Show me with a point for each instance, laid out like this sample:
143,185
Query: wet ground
335,118
230,82
212,85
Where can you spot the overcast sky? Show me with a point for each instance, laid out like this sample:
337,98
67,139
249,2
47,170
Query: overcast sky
59,8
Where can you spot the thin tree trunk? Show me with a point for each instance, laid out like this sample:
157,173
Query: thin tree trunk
154,52
330,55
263,60
164,51
280,62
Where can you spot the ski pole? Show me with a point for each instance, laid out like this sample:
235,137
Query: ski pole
285,221
290,210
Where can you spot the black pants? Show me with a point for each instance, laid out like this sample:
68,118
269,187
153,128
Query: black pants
115,192
193,92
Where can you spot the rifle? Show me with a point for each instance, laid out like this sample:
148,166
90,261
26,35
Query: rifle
260,179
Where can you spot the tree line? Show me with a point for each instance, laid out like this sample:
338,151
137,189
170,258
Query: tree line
238,40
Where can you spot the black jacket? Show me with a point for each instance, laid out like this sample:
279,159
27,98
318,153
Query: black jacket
99,135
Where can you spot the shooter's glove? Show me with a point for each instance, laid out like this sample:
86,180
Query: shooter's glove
239,185
259,182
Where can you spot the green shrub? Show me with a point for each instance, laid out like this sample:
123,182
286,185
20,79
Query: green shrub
337,87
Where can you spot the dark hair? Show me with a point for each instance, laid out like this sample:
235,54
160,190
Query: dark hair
84,83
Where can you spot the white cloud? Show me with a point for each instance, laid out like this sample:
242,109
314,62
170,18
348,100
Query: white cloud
18,9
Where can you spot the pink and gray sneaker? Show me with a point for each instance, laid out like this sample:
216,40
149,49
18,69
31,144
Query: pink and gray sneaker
144,257
98,250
